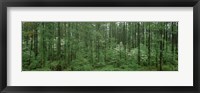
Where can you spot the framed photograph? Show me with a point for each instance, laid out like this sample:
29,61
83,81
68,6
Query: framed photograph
99,46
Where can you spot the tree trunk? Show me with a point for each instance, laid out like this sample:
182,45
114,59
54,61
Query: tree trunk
138,43
58,42
149,46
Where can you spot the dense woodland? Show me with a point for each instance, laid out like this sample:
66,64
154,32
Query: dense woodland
100,46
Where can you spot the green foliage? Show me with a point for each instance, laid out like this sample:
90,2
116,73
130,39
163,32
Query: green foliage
77,64
99,46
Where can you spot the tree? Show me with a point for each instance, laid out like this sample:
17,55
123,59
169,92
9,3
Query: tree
138,34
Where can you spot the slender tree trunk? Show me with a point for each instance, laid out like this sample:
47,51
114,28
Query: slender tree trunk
149,46
161,50
36,42
176,39
172,39
125,40
66,50
58,42
139,43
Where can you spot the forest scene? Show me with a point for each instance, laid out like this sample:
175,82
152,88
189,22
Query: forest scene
99,46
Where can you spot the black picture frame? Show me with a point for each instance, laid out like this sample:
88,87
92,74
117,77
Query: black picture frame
101,3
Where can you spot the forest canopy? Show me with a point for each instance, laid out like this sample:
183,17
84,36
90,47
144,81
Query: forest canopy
99,46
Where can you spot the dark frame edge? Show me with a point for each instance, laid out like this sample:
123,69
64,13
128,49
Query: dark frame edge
103,3
3,59
1,62
3,47
196,65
